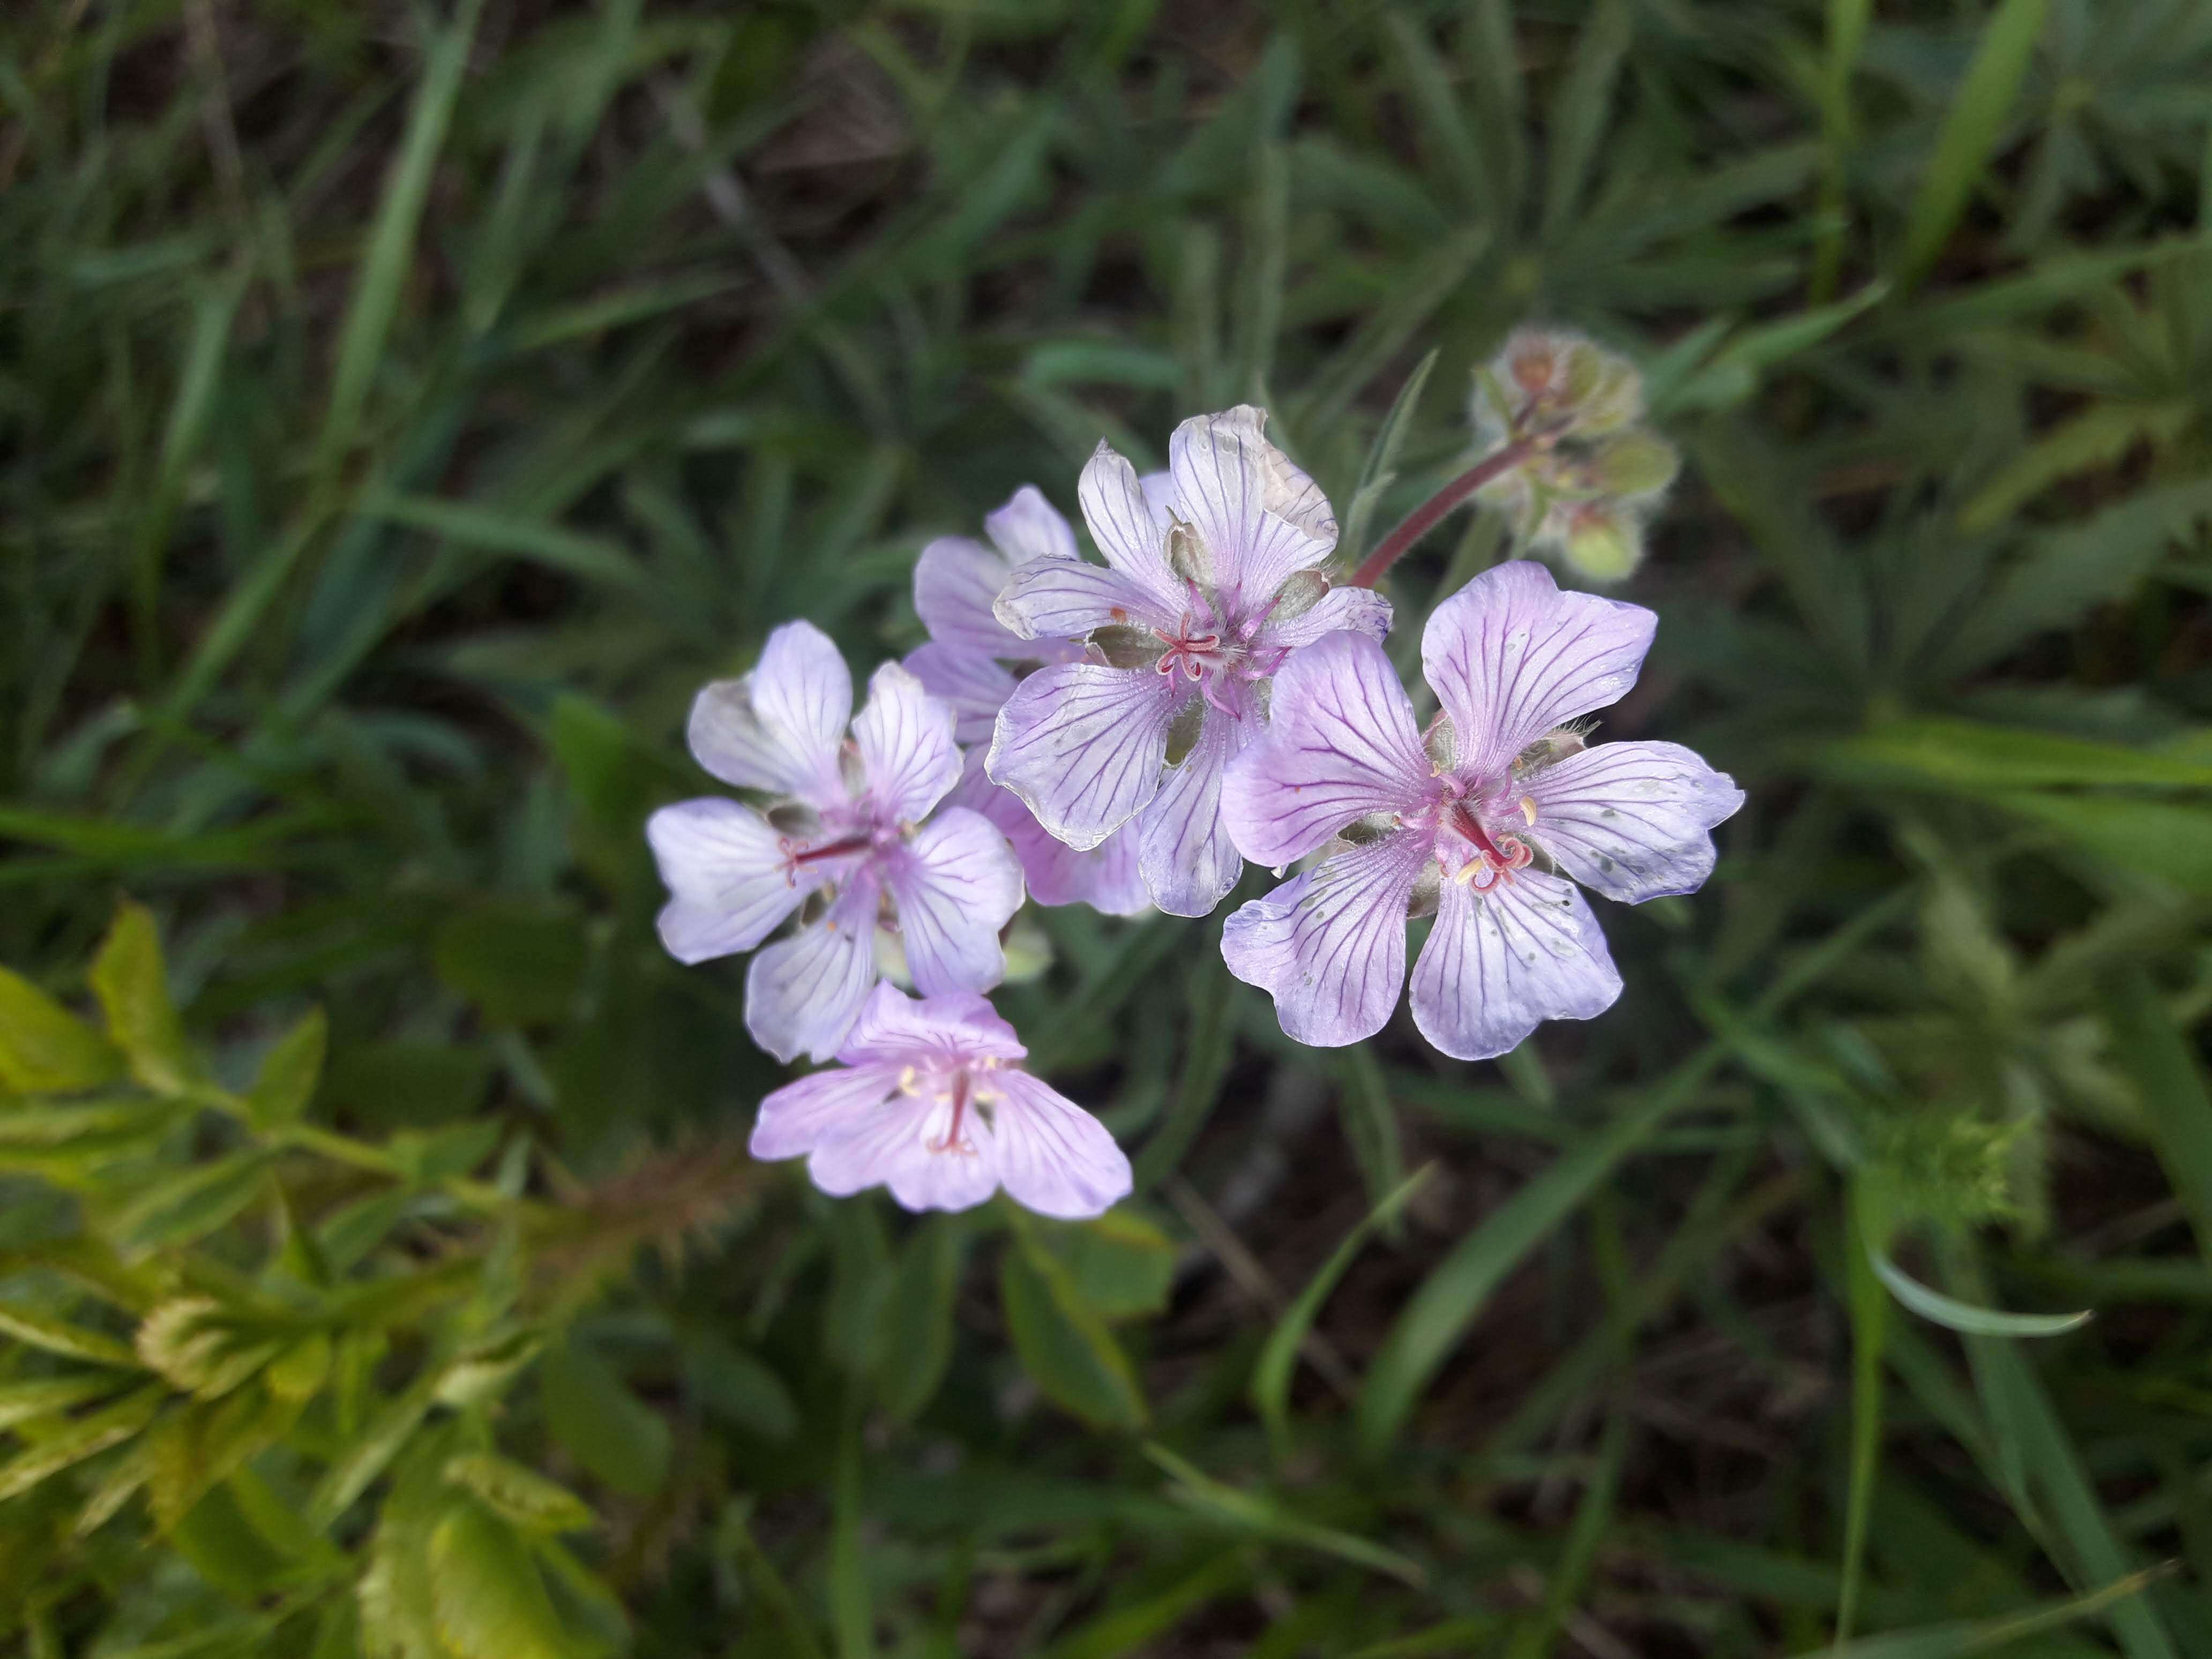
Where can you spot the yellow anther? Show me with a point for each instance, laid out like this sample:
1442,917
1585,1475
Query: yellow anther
1529,810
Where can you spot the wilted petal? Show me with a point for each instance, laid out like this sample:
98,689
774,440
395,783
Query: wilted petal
1029,528
1104,876
903,1145
1189,859
730,880
973,686
956,885
956,583
1330,945
1359,609
1342,744
1083,744
1052,1156
1499,964
905,738
895,1029
779,727
1629,820
814,1110
1510,657
1229,484
1121,523
1062,599
802,992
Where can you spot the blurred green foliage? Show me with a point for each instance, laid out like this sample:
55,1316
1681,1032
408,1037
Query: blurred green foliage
404,407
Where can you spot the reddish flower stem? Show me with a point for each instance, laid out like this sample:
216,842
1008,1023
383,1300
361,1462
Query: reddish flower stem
1422,519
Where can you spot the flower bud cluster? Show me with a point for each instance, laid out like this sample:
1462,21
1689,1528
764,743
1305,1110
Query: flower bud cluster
1594,473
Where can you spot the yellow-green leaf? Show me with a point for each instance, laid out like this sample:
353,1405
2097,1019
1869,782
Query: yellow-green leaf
488,1601
290,1072
520,1495
43,1048
133,989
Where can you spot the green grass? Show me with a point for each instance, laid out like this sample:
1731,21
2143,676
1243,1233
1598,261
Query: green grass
404,406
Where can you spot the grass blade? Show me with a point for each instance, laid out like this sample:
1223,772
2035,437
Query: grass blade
1970,133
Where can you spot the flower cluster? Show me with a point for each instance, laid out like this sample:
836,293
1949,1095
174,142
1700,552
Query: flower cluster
1594,476
1134,731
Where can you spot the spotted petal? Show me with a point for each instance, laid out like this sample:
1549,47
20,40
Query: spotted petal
898,1030
1122,524
1104,876
905,739
729,878
1631,820
1330,945
902,1145
1342,745
779,727
802,992
1232,486
973,686
1063,599
956,884
1187,857
1083,744
1029,528
1052,1156
1510,657
818,1109
1498,964
956,583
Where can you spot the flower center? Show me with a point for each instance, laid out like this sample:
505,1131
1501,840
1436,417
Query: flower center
957,1084
1494,854
1196,649
871,833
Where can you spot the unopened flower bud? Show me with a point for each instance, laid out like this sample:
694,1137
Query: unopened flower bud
1603,544
1633,464
1300,593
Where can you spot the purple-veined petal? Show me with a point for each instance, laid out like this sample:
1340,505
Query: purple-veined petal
972,685
1329,946
955,883
1510,657
1356,610
956,583
1083,744
1121,523
903,1145
1104,876
802,992
730,881
818,1109
1029,528
1498,964
1632,820
895,1029
779,727
905,738
1054,599
1229,482
1187,857
1052,1156
1342,744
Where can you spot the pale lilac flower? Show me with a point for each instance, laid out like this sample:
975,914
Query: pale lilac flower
1483,818
850,837
1209,583
966,664
934,1105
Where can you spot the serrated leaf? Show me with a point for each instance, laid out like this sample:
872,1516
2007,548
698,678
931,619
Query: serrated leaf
43,1048
520,1496
1064,1345
289,1071
604,1426
133,989
204,1347
485,1593
41,1330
